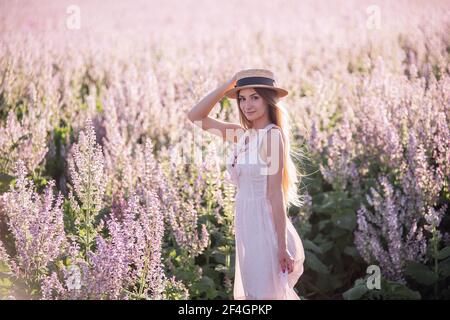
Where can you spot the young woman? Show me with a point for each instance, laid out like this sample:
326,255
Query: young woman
269,251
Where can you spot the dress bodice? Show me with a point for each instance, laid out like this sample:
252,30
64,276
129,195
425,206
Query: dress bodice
246,169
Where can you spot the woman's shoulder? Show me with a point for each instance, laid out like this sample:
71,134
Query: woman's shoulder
273,133
271,140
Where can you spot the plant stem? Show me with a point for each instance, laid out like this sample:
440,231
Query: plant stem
144,272
88,212
436,266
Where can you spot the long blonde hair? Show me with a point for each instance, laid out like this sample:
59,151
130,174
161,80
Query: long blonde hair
279,116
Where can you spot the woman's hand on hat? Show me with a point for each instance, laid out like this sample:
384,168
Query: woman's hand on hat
234,79
232,82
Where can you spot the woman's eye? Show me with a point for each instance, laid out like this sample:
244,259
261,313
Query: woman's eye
240,99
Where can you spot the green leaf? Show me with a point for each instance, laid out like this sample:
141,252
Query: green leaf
329,282
444,253
323,224
420,273
206,286
314,263
337,233
326,246
221,268
173,253
444,268
351,251
309,245
358,290
326,203
5,180
345,219
399,291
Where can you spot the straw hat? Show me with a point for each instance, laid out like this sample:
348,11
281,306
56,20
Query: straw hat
251,78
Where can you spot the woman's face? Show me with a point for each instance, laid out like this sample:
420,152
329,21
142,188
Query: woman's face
251,104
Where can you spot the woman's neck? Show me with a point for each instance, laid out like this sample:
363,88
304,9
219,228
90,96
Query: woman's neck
260,124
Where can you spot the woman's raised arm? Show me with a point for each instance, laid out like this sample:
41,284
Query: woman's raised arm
199,114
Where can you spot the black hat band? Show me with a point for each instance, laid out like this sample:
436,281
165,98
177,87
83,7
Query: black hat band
254,80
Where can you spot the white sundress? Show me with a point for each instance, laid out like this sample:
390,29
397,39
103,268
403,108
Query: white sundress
258,274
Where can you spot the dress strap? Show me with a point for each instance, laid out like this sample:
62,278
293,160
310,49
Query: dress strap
241,140
269,126
239,146
262,134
